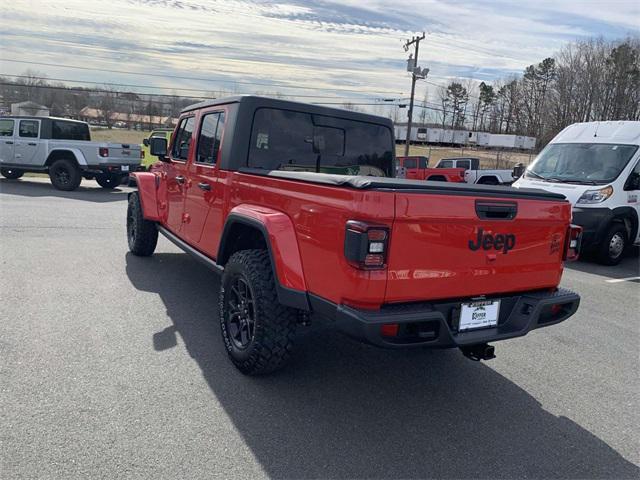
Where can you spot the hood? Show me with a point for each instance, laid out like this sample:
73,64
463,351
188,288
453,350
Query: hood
571,191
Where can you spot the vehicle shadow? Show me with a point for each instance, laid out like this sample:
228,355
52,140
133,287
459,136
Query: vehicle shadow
628,267
89,190
345,410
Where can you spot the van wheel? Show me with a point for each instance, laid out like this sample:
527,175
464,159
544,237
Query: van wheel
11,173
108,180
142,234
613,245
257,331
65,175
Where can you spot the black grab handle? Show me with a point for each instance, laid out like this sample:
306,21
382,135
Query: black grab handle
496,210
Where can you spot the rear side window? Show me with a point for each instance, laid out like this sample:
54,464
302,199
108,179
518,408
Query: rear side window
298,141
182,141
6,128
466,164
422,162
410,163
209,139
446,164
61,130
29,128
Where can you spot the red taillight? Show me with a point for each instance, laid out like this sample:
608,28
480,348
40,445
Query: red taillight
572,243
556,308
103,151
389,330
365,245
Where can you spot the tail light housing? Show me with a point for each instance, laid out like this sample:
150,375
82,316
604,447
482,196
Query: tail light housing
366,245
103,151
572,243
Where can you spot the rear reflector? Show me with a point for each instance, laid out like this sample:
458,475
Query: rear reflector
389,330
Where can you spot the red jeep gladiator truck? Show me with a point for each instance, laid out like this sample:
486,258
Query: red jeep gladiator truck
417,168
297,208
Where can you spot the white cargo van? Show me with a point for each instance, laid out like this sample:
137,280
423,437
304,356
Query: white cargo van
596,165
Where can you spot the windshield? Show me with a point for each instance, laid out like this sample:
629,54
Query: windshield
589,163
298,141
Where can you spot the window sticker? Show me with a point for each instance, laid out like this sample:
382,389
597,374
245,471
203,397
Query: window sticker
262,142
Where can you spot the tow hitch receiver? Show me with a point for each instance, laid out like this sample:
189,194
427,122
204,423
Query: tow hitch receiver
480,351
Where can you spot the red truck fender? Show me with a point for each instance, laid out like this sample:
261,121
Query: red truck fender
148,190
279,235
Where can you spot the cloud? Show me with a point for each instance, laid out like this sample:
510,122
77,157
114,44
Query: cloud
349,44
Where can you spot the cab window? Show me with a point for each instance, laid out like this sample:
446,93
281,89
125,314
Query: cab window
6,128
466,164
633,182
446,164
423,162
209,138
182,142
410,163
29,128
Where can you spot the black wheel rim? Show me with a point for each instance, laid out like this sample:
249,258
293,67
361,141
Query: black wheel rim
62,176
241,319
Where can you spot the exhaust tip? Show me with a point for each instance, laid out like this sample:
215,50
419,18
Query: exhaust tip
481,351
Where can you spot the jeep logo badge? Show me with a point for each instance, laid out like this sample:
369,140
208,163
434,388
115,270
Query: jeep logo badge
486,241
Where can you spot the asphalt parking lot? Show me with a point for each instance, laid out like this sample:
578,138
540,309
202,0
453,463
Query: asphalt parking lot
112,366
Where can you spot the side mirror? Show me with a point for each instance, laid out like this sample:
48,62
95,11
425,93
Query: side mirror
145,142
518,170
158,148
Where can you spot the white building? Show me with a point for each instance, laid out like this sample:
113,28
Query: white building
29,109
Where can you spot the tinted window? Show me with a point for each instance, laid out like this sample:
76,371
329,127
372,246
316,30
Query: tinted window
29,128
410,163
61,130
6,128
423,162
182,141
288,140
466,164
209,140
445,164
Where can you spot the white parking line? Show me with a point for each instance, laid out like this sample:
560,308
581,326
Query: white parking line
618,280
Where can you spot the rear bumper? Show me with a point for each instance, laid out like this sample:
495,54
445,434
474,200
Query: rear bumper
435,324
114,168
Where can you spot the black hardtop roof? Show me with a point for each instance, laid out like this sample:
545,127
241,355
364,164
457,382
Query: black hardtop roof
258,102
35,117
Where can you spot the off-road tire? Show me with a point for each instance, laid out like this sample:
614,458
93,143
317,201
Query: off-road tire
108,181
274,324
65,175
607,254
11,173
142,234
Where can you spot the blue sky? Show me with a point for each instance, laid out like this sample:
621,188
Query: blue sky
344,49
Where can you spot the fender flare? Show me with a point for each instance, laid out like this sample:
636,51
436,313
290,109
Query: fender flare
77,153
280,238
148,191
490,175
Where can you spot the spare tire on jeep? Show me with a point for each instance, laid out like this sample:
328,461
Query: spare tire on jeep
11,173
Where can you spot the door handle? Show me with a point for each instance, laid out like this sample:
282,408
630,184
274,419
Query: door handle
33,144
9,142
204,186
180,179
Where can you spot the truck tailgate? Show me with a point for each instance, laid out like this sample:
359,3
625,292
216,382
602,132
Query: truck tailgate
124,152
464,245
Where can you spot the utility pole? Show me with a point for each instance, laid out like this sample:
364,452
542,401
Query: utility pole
415,72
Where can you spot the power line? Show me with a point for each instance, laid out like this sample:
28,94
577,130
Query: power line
200,79
153,87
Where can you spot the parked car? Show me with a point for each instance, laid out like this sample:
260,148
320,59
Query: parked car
596,165
417,168
395,262
474,174
63,149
